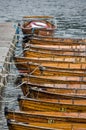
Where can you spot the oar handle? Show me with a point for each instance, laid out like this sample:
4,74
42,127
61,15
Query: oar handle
38,17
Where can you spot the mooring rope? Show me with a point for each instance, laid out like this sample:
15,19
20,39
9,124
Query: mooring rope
33,70
11,101
21,84
14,45
27,94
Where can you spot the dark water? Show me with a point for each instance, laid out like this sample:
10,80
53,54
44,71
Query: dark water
70,14
71,21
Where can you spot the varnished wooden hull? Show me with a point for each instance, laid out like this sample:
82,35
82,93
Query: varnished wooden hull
57,41
46,94
43,31
29,104
57,50
37,69
60,126
23,63
54,44
21,126
55,89
44,40
53,56
47,117
54,79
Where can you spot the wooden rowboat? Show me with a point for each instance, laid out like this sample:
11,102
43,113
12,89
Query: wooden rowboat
57,41
54,89
37,69
46,117
47,67
60,42
23,63
53,56
45,71
50,119
54,79
57,49
72,47
39,25
43,40
70,82
29,104
13,125
47,94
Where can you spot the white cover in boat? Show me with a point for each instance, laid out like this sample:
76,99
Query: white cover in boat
38,25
